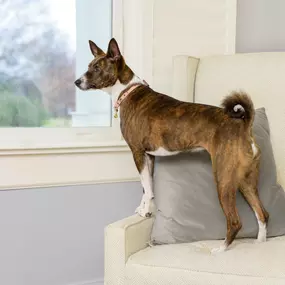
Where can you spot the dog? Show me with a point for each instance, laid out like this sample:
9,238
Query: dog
155,124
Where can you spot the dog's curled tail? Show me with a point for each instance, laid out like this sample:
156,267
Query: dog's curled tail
238,105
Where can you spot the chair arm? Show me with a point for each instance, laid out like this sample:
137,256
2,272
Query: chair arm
184,75
122,239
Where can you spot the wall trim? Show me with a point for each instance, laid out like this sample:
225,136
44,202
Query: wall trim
83,183
91,282
120,146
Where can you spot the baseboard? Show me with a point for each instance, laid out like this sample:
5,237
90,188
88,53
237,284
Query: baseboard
90,282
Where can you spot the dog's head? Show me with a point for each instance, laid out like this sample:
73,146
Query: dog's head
105,69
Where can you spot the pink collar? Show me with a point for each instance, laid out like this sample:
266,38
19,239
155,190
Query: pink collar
124,96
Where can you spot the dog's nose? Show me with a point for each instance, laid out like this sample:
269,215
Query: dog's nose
77,82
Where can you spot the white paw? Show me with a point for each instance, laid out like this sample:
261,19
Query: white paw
262,230
261,238
220,249
143,211
139,208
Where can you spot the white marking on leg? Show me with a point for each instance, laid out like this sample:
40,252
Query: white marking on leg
147,183
220,249
262,230
164,152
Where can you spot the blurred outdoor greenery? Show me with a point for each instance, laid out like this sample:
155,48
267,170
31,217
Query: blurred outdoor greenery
20,111
37,65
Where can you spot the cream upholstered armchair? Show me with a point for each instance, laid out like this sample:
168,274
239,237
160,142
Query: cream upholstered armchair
128,257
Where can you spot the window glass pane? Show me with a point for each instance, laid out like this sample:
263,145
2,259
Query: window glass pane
94,22
39,63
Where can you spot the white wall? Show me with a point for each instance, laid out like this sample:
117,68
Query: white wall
260,25
54,236
157,30
196,28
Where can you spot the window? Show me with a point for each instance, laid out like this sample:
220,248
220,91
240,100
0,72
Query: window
44,49
78,141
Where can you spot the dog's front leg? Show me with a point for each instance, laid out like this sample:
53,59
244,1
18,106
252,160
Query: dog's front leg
145,165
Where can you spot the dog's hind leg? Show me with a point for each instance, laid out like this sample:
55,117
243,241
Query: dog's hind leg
227,197
145,166
248,188
226,181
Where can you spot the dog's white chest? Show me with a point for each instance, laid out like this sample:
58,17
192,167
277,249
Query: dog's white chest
164,152
254,149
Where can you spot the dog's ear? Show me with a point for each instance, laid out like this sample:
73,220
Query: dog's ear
113,50
95,49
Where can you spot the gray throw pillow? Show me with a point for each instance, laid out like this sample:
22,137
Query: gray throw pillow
187,202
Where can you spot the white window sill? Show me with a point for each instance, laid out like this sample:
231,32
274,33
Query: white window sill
65,148
66,164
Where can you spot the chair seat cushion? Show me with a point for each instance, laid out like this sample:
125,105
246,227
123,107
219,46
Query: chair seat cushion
246,262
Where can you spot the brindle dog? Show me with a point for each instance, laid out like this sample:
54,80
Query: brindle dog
154,124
